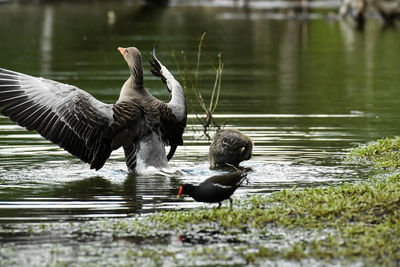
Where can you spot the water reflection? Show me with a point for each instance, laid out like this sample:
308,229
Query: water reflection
304,89
46,40
289,149
90,197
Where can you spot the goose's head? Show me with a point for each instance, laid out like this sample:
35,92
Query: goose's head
133,57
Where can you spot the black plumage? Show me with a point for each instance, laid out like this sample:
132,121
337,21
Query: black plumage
214,189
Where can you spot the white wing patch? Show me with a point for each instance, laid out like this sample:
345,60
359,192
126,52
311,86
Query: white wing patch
223,186
241,180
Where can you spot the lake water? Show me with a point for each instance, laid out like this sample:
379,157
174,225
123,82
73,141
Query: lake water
305,90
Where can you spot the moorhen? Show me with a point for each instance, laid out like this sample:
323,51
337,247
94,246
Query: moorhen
214,189
90,129
229,147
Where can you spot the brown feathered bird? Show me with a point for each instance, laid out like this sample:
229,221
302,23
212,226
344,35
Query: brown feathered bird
90,129
229,147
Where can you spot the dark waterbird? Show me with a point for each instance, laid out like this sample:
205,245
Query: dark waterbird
90,129
229,147
215,189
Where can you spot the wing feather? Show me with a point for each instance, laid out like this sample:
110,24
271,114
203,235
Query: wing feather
172,115
172,129
63,114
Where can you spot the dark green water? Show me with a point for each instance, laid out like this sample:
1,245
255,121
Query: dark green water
306,91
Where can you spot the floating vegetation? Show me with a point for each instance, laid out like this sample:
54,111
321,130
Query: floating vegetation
383,154
347,224
364,220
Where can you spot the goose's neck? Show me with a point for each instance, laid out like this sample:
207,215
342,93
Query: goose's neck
134,84
137,73
129,90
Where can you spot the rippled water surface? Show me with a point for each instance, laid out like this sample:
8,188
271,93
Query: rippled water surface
304,90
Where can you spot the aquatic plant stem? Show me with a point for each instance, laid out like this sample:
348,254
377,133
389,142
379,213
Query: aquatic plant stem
207,120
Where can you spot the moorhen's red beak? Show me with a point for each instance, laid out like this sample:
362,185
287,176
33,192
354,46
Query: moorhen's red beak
122,50
180,192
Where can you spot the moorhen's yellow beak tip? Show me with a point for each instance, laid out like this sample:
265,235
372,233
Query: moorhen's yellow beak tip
180,192
122,50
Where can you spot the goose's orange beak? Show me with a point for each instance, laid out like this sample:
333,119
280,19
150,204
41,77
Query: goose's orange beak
122,50
180,192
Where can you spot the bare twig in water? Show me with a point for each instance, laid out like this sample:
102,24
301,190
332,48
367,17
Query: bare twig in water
188,81
233,166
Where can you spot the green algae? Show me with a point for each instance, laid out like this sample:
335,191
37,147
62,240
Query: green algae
364,217
382,154
369,202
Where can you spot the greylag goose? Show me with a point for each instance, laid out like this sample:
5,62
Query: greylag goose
229,147
90,129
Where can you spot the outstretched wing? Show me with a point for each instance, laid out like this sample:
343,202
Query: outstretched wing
63,114
173,115
172,129
159,70
173,86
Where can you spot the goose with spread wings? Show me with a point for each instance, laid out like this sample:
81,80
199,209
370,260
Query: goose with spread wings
90,129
